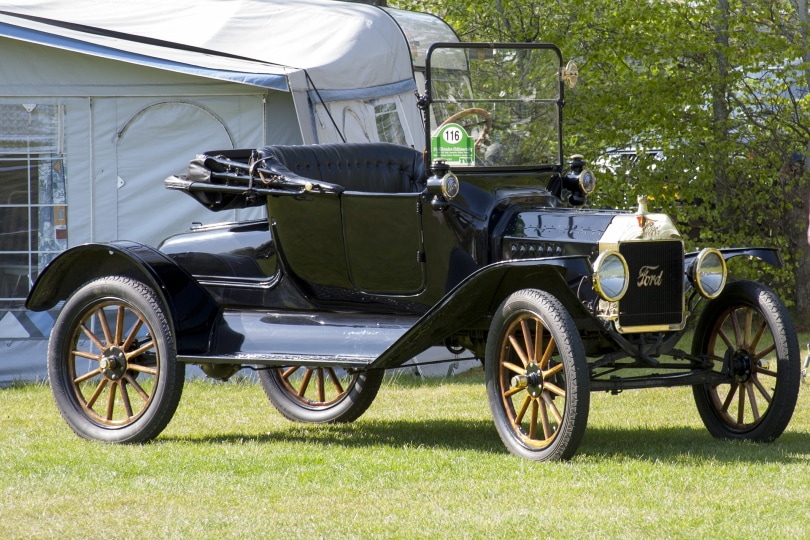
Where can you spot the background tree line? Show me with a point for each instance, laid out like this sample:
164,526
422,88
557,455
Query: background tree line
720,86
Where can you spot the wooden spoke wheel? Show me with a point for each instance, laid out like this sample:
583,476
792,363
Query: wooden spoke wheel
111,362
320,394
537,381
749,336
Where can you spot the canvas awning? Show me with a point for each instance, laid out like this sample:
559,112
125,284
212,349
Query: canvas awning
346,50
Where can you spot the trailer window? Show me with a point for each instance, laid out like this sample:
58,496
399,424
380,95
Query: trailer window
389,127
33,204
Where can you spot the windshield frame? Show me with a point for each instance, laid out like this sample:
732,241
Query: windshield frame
428,101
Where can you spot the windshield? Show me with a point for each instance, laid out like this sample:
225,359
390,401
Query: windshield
494,105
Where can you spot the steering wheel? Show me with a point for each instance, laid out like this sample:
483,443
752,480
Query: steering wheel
483,113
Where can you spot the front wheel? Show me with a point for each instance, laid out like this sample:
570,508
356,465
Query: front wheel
748,334
537,377
111,362
320,394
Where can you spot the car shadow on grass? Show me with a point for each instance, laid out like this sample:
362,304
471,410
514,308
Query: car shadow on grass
669,444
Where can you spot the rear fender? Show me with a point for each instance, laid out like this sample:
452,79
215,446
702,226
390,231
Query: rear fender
193,310
477,297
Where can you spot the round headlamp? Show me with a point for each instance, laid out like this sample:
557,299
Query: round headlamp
450,186
611,276
587,181
708,273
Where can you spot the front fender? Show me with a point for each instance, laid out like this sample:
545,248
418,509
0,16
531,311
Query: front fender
193,310
768,255
479,295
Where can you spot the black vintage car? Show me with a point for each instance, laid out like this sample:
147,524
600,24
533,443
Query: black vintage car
373,253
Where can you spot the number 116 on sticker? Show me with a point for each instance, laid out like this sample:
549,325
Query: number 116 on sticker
452,135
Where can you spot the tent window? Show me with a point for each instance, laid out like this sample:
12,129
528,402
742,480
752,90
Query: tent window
389,128
33,204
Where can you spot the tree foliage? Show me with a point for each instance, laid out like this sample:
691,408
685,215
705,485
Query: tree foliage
719,86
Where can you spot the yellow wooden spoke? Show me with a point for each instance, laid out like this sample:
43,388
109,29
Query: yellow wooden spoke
552,371
335,380
140,350
514,368
538,339
319,379
111,402
138,388
533,420
302,390
547,431
752,401
741,407
760,331
749,321
100,388
518,350
527,339
762,390
105,326
133,333
548,353
762,371
92,338
119,326
730,397
725,338
555,412
525,405
88,355
142,369
125,399
765,352
735,323
289,371
87,376
554,389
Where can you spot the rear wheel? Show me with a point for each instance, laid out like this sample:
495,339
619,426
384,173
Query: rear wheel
537,377
748,334
320,394
111,362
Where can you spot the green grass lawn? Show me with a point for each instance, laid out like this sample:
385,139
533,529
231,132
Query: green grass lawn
423,462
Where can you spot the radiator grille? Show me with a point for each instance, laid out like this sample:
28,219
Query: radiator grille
655,294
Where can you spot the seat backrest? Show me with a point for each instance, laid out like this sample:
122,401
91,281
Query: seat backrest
372,167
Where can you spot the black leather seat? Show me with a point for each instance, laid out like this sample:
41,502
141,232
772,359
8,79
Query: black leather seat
371,167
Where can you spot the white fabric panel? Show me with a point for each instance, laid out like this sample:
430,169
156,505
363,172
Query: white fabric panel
342,45
159,141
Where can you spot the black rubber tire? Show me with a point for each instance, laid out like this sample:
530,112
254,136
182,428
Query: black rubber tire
563,377
130,355
335,396
771,380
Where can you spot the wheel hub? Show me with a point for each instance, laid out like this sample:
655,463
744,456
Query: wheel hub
742,365
532,381
113,363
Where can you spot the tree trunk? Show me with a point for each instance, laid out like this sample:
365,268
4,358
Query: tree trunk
801,232
720,109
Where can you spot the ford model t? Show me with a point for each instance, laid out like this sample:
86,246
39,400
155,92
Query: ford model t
373,253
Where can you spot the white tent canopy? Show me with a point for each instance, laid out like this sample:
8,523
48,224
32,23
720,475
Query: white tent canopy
342,46
100,101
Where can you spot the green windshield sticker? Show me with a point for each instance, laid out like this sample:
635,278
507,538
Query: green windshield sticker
452,144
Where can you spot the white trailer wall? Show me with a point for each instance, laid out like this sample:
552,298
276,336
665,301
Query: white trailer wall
117,131
125,94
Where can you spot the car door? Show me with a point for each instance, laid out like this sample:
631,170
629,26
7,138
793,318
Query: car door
383,241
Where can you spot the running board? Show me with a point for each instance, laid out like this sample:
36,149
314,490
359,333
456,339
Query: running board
347,362
350,340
